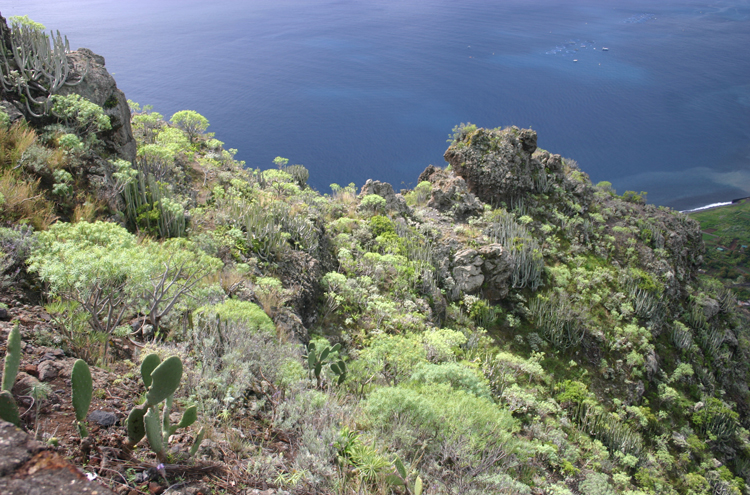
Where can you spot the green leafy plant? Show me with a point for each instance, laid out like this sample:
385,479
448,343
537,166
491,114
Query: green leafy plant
317,360
85,117
193,123
373,203
402,478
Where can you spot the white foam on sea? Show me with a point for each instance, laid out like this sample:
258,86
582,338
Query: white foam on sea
712,205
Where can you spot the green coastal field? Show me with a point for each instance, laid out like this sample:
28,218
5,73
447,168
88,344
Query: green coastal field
726,233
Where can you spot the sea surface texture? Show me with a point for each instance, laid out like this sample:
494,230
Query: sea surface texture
651,96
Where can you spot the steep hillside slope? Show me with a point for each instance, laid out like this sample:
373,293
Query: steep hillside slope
504,327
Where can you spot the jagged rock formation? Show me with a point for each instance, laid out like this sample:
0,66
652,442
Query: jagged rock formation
489,267
302,273
393,201
97,86
450,193
503,166
100,87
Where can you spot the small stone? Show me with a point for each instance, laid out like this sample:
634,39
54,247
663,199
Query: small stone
103,418
54,354
47,371
4,315
24,383
199,489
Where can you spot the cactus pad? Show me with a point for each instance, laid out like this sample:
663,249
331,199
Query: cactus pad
152,421
148,365
136,428
12,358
9,409
166,378
80,379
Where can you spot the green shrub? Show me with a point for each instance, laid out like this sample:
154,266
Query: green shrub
173,140
86,117
391,357
248,314
572,392
443,344
420,194
380,225
460,132
476,432
373,203
102,270
236,352
456,375
193,123
596,484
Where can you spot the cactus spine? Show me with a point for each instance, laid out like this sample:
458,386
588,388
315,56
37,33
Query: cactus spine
8,407
151,419
82,387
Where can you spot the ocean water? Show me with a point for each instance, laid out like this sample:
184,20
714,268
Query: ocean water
358,89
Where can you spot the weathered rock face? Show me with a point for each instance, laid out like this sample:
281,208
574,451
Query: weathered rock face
302,273
488,268
505,165
393,202
450,194
497,269
290,325
13,113
497,165
467,271
99,87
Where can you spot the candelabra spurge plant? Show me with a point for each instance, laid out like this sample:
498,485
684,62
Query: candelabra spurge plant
151,419
35,66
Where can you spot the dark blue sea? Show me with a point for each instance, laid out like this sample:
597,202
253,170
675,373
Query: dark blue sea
358,89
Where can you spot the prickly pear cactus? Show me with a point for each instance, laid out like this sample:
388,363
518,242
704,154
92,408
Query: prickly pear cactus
12,358
8,407
82,387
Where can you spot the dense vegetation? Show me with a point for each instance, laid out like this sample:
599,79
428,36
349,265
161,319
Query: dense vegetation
551,337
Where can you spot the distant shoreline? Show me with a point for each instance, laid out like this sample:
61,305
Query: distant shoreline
715,205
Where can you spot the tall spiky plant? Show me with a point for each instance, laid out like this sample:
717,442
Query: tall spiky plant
35,66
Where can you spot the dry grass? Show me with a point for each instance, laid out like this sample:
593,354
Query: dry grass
21,202
228,279
14,141
87,211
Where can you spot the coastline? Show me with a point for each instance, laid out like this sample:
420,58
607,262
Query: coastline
707,207
716,205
